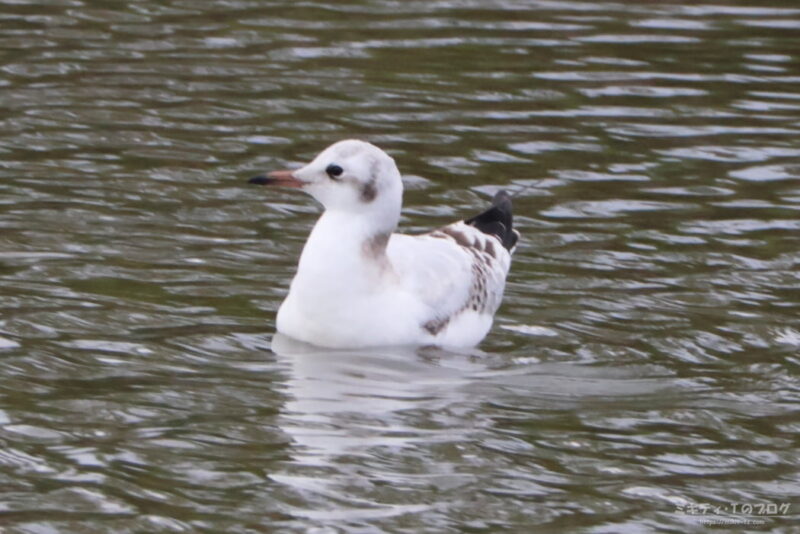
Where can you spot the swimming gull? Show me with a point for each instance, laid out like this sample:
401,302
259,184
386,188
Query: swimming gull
359,284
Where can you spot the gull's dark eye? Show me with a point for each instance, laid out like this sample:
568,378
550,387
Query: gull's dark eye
333,170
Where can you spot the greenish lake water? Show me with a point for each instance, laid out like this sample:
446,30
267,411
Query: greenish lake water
642,373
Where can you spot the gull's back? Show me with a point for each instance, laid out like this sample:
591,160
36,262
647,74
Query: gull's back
457,273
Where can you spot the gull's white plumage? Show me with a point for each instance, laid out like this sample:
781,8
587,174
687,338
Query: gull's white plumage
358,284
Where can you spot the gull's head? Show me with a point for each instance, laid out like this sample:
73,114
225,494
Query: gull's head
350,175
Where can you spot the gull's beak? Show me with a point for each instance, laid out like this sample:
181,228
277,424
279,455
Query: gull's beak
281,178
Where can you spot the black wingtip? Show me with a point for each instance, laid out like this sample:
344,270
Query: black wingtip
501,196
497,220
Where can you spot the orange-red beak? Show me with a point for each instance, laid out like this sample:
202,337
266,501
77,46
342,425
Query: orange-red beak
280,178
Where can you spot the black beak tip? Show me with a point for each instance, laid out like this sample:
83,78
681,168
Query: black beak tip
259,180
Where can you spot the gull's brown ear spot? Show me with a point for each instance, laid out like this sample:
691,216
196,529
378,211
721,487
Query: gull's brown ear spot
369,191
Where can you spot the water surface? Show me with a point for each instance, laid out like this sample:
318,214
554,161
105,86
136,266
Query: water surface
643,365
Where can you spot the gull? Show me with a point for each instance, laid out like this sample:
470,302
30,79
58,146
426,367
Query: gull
359,284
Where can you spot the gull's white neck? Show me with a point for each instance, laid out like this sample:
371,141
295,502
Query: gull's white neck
347,250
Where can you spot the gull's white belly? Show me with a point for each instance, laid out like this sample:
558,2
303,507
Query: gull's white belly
385,318
379,320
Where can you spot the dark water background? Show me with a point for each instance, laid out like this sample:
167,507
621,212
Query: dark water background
644,363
